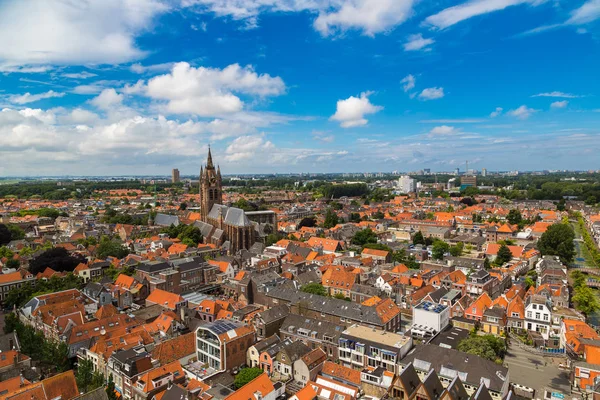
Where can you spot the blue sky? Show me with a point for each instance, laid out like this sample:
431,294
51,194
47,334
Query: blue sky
115,87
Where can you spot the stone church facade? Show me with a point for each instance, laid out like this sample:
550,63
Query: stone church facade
222,225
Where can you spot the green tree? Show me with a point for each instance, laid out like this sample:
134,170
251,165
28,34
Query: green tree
529,283
585,300
6,252
110,248
314,288
486,263
439,249
418,238
245,376
514,217
183,206
331,219
57,258
486,346
504,255
558,241
457,249
355,217
16,233
341,296
5,235
87,379
110,388
579,278
363,237
376,246
377,215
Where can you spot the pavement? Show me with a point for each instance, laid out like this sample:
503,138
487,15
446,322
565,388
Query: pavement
536,372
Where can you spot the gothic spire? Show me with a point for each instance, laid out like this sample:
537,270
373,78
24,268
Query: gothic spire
219,171
209,161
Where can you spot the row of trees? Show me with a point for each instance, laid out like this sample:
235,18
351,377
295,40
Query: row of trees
558,241
589,242
584,297
20,296
10,232
51,355
188,234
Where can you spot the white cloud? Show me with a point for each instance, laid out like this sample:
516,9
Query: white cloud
210,91
559,104
107,99
409,82
496,112
432,93
73,32
588,12
351,111
444,130
418,42
557,94
30,98
80,116
246,147
323,137
221,129
370,16
79,75
470,9
522,112
140,69
96,87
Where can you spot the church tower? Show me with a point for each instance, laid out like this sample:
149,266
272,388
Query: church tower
211,191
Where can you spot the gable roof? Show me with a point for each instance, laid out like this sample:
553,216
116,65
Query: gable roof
261,384
164,298
175,349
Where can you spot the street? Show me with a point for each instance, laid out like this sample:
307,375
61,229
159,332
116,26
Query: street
535,371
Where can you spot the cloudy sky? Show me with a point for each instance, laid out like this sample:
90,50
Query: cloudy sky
115,87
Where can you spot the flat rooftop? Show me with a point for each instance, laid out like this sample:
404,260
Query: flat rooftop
431,307
377,336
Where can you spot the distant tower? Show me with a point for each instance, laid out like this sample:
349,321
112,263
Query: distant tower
211,190
175,175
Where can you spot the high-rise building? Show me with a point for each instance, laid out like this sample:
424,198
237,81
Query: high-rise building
457,171
175,175
406,184
468,180
483,171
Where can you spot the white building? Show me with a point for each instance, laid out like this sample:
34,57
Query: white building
406,184
429,318
538,315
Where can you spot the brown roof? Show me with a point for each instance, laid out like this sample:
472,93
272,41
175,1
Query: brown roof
174,349
339,371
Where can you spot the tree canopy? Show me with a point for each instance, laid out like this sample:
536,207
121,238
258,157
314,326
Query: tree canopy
584,297
110,248
504,255
364,237
309,222
514,216
331,219
314,288
439,249
489,347
245,376
558,241
57,258
5,234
